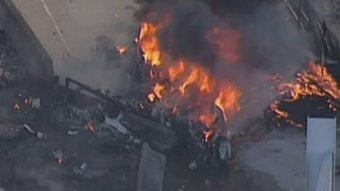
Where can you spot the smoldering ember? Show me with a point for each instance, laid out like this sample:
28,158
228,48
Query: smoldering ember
153,95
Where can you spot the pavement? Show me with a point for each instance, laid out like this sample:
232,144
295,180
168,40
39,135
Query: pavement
280,154
68,28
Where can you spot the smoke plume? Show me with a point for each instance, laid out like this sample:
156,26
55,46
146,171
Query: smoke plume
268,43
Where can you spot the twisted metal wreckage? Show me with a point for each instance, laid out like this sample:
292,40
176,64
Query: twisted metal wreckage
159,126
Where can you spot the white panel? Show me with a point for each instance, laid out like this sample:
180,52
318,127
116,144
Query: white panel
325,176
321,134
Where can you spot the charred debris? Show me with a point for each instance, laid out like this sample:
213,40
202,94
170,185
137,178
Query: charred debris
47,110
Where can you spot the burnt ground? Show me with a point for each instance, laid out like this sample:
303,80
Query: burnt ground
91,160
88,161
238,176
180,178
70,155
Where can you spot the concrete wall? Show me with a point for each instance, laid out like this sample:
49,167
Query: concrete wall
37,61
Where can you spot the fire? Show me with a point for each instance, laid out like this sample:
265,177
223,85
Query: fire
315,81
28,101
152,97
150,44
17,107
228,99
227,42
157,92
187,87
174,72
280,114
60,161
122,50
90,126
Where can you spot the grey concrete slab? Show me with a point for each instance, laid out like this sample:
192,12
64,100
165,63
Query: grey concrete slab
38,63
151,170
70,26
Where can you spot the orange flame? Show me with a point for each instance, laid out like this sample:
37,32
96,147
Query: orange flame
315,81
227,42
150,44
122,50
157,92
189,83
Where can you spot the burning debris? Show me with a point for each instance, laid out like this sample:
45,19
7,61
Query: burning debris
197,72
316,81
197,69
107,52
201,87
186,86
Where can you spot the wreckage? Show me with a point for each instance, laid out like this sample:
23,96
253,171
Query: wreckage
185,108
160,128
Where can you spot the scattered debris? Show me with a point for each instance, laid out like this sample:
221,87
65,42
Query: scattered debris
137,141
224,147
41,135
58,155
117,125
80,170
28,128
159,136
193,165
82,114
72,132
36,103
9,131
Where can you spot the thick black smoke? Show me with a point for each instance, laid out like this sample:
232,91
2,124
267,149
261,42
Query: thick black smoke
218,7
186,35
270,43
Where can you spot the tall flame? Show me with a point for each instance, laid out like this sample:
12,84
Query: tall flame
187,86
150,44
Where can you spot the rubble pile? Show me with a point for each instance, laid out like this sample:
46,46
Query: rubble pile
61,136
63,129
136,120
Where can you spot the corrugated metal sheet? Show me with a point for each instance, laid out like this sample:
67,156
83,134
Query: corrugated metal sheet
320,154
